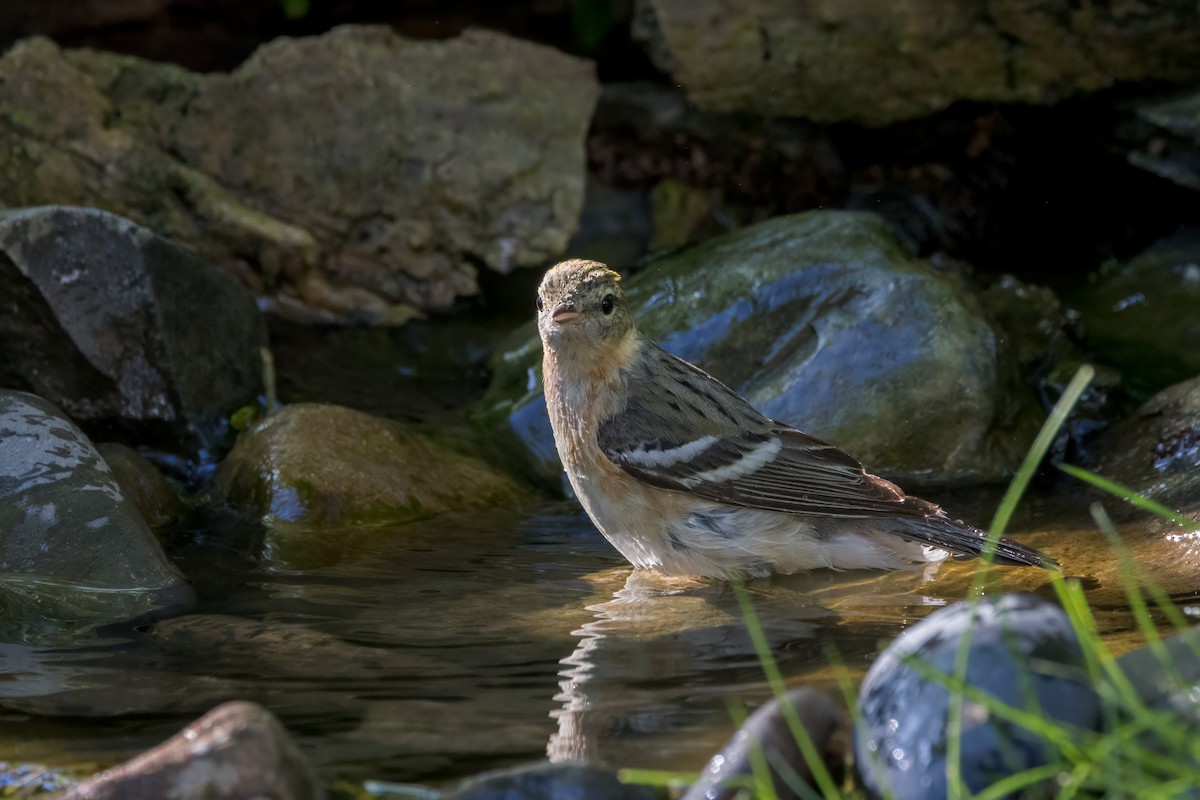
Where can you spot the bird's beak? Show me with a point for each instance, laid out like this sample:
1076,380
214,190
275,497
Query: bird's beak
564,314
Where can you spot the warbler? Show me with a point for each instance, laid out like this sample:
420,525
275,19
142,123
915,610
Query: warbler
684,476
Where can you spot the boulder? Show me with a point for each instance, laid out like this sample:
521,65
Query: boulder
238,751
877,62
124,329
324,464
1023,652
1140,316
353,175
73,549
825,321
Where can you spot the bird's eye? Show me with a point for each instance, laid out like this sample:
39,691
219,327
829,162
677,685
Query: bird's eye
539,302
607,304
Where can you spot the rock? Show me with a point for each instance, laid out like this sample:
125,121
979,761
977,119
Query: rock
1140,317
237,751
824,321
1156,451
1023,652
768,731
142,483
877,63
354,175
1170,683
31,780
123,328
1163,138
326,464
550,782
73,549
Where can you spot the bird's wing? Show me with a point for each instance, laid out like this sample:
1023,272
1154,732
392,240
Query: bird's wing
683,430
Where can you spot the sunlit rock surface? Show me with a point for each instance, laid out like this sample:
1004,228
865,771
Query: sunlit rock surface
236,751
822,320
823,60
121,327
73,549
323,464
354,175
1023,651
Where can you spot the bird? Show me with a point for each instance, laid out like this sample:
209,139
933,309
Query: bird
685,477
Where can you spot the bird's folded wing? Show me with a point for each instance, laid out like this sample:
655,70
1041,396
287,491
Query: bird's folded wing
767,465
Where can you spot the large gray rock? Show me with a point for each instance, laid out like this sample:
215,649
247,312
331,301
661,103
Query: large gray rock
353,175
1162,136
237,751
1023,652
121,327
822,320
72,548
878,62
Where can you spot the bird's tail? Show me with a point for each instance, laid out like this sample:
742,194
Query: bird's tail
966,541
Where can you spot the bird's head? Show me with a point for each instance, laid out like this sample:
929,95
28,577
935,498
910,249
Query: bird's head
582,311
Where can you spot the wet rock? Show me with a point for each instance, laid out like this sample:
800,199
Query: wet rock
879,63
354,175
1023,652
123,328
767,731
72,547
822,320
550,782
1140,317
327,464
237,751
1156,451
31,780
1169,682
1163,137
142,483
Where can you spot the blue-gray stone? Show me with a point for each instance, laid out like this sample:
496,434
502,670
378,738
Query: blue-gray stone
1023,651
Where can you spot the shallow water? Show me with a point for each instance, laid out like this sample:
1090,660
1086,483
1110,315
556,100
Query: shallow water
435,650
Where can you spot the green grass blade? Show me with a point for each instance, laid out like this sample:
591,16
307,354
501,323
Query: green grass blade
1129,496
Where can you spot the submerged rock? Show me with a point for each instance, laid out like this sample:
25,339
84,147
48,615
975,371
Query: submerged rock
236,751
1140,317
1023,652
876,63
326,464
767,731
824,321
123,328
73,549
550,782
142,483
357,174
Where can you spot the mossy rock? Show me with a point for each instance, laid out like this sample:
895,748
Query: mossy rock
325,464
